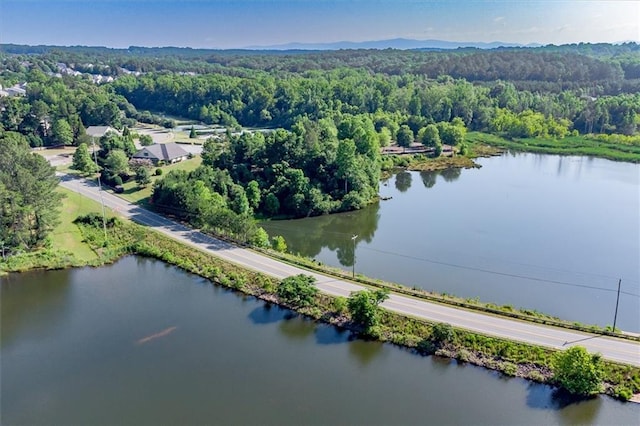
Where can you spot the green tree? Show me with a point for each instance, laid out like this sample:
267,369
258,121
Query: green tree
279,244
464,148
346,160
61,132
238,201
260,238
442,333
143,176
429,135
271,204
438,150
29,203
117,162
298,290
145,140
82,160
364,307
452,133
384,136
578,371
192,133
405,136
253,194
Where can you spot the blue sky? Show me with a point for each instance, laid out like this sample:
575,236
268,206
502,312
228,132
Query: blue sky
241,23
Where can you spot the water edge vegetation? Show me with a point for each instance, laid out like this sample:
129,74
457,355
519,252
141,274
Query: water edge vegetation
510,358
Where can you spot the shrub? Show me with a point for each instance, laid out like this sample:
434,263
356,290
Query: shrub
426,347
536,376
364,309
278,244
260,238
623,393
509,368
298,290
578,371
442,333
158,172
339,304
463,355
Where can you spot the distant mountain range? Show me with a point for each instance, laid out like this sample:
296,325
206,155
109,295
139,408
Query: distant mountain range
395,43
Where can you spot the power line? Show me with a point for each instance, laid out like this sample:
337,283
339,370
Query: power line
506,274
470,268
347,236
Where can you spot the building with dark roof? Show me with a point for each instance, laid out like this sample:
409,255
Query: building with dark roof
166,152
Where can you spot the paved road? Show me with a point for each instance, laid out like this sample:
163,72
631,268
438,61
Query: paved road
614,349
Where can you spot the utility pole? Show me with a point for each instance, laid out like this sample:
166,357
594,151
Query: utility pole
615,316
95,158
353,270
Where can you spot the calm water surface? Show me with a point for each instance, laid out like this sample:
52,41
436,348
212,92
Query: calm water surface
77,347
541,232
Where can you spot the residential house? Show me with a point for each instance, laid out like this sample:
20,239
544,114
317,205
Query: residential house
165,152
19,89
100,131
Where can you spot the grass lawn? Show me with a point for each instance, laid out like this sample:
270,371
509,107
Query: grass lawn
134,194
66,236
69,150
570,145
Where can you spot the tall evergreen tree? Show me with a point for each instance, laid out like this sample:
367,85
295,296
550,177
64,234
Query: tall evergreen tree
82,160
28,201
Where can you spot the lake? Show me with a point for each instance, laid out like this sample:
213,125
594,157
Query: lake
543,232
140,342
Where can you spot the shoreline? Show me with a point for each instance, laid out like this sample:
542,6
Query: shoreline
511,358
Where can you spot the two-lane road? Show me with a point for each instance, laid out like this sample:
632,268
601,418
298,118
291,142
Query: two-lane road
619,350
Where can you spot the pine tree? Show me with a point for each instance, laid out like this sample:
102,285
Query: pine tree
82,160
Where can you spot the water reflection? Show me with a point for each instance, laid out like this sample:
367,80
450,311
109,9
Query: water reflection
539,216
266,314
569,409
295,327
429,178
331,335
287,369
403,181
450,174
308,237
364,352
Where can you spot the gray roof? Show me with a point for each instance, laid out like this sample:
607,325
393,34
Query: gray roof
99,131
162,151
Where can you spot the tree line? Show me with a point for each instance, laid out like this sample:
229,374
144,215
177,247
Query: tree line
592,92
330,113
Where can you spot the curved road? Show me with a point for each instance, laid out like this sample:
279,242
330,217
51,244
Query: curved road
619,350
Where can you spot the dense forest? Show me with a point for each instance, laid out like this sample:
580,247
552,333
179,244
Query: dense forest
596,91
333,110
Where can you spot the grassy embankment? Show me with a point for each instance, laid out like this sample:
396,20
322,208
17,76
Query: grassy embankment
66,246
86,245
141,196
570,145
485,145
528,315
